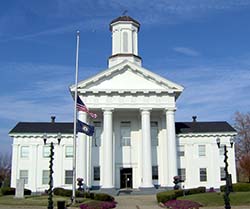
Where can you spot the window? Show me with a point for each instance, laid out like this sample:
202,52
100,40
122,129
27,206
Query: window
24,176
203,174
125,133
154,133
181,151
97,173
202,150
222,174
45,179
155,172
68,177
125,41
46,151
24,152
96,139
182,173
69,151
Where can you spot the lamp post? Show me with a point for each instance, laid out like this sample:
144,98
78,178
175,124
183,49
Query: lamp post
50,190
227,175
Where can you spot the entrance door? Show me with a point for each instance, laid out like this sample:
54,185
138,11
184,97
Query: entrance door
126,177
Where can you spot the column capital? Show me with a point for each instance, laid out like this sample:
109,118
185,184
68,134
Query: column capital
107,109
146,109
170,109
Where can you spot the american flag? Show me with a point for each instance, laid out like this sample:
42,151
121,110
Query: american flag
82,107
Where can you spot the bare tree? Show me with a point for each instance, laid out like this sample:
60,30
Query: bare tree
242,125
5,169
244,163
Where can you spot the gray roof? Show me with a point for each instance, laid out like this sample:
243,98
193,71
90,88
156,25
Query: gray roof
125,19
39,127
67,128
203,127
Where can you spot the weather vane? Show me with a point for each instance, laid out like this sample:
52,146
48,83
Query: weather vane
125,12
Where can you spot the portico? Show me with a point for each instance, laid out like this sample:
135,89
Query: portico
129,98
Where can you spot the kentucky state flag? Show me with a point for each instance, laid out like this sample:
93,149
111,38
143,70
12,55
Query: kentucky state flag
85,128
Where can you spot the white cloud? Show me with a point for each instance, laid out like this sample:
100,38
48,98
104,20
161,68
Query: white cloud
186,51
214,90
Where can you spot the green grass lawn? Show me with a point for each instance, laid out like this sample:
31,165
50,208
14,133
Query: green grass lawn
216,199
40,200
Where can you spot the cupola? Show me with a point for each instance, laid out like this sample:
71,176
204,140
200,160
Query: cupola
124,41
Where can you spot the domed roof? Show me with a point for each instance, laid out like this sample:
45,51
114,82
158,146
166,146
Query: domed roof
124,19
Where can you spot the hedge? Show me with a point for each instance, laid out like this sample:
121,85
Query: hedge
103,197
173,194
238,187
62,192
95,196
12,191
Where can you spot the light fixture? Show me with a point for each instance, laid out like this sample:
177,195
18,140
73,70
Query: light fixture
218,142
59,137
231,141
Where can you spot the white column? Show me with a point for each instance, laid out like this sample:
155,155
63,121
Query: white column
171,146
163,162
107,166
81,150
146,150
15,164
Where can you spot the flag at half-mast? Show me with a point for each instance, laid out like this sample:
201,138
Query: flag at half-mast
85,128
82,107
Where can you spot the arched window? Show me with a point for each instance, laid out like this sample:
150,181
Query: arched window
125,42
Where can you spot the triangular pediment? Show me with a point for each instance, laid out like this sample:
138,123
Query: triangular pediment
127,76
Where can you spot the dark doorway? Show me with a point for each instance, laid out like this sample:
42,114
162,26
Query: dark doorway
126,178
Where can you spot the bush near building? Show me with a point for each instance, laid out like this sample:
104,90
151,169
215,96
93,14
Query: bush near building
94,196
12,191
238,187
173,194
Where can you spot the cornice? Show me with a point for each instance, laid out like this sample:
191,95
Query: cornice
216,134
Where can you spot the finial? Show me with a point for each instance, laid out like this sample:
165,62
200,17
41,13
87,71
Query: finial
78,32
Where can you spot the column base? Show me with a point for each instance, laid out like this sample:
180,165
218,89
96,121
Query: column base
147,190
166,188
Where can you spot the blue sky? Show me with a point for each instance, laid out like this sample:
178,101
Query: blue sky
202,45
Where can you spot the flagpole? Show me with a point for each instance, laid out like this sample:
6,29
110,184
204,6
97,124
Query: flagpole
75,118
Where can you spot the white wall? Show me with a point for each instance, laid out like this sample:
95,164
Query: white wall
212,161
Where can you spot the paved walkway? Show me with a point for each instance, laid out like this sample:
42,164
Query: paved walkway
126,202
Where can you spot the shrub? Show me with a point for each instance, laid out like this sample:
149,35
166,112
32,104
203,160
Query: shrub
195,190
103,197
166,196
62,192
238,187
182,204
11,191
8,191
173,194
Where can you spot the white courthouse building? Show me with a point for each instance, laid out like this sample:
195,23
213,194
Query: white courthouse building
137,143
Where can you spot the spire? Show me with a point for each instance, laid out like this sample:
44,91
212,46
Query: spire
124,40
